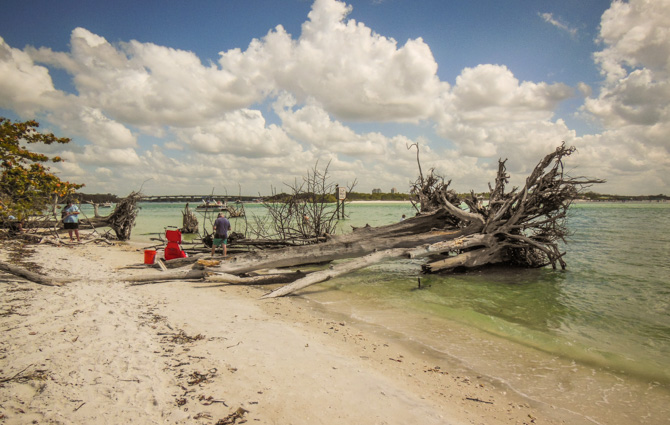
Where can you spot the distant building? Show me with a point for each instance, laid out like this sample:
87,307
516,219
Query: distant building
376,191
394,190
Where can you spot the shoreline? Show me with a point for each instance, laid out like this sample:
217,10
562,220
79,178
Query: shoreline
99,351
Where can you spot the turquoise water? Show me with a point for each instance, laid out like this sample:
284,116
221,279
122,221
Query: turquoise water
592,341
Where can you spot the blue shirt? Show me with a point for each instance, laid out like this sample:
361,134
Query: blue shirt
74,218
222,225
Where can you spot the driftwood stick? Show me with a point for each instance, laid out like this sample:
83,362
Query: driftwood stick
33,277
480,257
160,277
265,279
3,380
335,271
458,244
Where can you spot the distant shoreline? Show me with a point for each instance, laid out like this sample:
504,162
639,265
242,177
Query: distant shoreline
380,202
621,201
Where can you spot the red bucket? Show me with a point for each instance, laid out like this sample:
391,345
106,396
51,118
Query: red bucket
149,256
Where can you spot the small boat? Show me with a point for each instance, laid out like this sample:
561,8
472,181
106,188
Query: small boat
211,205
106,205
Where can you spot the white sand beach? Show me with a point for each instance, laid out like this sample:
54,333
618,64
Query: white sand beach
99,351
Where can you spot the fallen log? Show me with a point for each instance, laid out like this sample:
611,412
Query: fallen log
330,251
163,277
203,275
263,279
31,276
517,227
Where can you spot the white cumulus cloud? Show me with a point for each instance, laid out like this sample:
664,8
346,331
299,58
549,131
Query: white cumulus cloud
268,111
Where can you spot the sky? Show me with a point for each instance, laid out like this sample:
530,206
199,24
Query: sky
233,96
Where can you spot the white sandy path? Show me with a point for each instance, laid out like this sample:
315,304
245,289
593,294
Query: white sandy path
86,335
107,349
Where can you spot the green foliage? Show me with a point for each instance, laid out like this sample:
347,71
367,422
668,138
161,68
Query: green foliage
305,197
357,196
27,187
593,196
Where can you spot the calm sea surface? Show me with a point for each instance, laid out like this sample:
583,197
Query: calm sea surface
591,342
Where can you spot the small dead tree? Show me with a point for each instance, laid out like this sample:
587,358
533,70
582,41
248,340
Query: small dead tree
189,221
306,214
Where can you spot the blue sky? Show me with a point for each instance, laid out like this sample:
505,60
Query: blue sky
172,91
460,34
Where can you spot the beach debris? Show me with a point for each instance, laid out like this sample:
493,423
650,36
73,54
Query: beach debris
181,337
233,417
199,378
436,369
206,401
21,377
203,415
478,400
209,263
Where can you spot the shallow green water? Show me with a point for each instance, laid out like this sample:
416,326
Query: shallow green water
593,339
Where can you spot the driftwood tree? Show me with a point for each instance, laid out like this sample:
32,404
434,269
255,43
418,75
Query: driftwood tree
121,221
189,221
521,227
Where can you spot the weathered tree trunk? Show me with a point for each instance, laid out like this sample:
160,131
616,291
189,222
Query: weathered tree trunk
409,233
161,277
265,279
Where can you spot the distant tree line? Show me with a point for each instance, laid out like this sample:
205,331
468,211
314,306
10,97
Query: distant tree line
351,196
593,196
99,198
357,196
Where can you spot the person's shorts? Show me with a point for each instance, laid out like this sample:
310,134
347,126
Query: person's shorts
220,241
70,225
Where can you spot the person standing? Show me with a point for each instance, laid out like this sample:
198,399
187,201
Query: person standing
70,216
221,229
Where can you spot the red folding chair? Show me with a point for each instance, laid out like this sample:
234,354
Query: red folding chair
173,248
